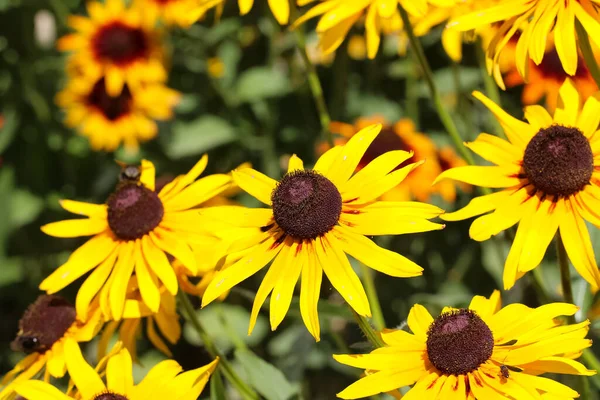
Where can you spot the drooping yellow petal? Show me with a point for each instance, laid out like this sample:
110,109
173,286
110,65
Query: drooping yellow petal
283,291
87,380
312,276
247,266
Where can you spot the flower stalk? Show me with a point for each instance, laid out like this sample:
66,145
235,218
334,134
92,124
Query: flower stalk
445,117
245,391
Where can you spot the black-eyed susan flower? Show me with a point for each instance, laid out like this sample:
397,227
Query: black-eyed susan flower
108,121
315,217
133,233
44,329
118,43
403,136
452,39
548,173
544,80
163,381
161,327
173,12
338,16
480,352
538,19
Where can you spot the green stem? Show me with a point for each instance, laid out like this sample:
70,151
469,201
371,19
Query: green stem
538,285
435,95
368,330
369,282
592,362
587,52
491,89
315,84
412,96
246,391
565,272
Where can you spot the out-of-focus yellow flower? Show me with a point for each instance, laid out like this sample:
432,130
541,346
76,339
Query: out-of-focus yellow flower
452,39
118,43
173,12
403,136
215,67
381,16
127,118
544,80
538,20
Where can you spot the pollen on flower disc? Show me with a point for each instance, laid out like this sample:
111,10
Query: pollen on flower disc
458,342
112,108
110,396
133,211
306,204
120,43
43,323
559,161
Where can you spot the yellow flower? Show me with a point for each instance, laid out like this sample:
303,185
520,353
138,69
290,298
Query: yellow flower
173,12
133,232
452,39
136,312
315,216
482,352
544,80
107,121
279,8
548,173
163,381
338,16
403,136
538,19
118,43
44,329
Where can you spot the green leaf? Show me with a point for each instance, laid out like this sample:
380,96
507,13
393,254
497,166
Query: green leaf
12,271
227,324
199,136
25,207
262,83
217,388
9,128
264,377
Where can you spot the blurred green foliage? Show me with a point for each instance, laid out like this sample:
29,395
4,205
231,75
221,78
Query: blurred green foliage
259,111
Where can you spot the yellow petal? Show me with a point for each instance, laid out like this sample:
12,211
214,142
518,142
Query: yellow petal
283,291
295,164
75,227
118,373
312,275
86,379
255,183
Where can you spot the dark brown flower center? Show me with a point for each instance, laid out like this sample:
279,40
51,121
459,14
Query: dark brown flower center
387,140
110,396
133,211
112,108
43,323
306,204
458,342
559,161
119,43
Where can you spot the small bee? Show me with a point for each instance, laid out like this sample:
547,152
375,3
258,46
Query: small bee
504,371
129,173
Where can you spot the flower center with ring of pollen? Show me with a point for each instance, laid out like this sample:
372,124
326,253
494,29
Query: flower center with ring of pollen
120,43
43,324
458,342
559,161
110,396
306,205
133,211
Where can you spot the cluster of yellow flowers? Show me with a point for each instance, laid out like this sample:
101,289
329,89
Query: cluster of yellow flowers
150,241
